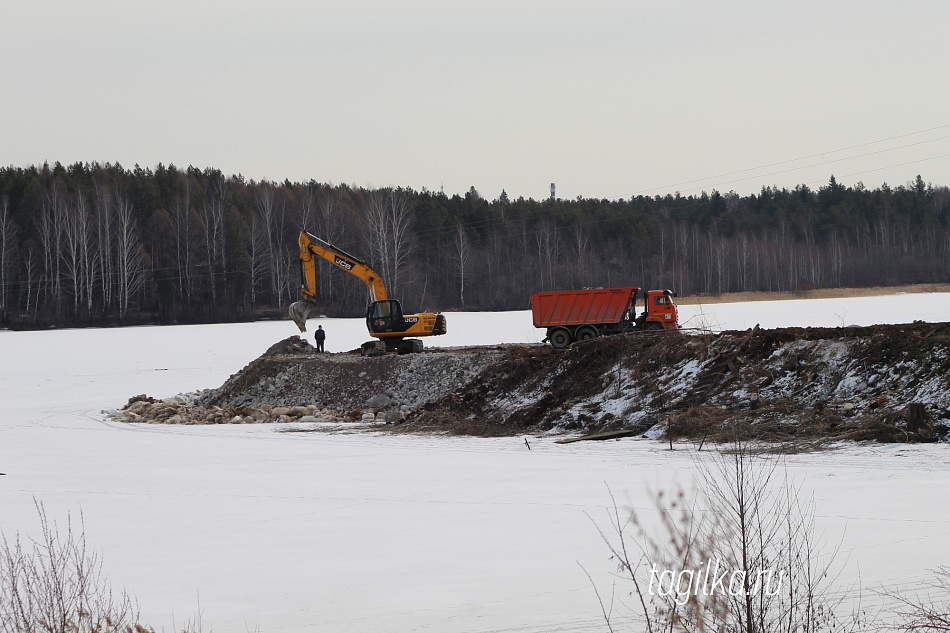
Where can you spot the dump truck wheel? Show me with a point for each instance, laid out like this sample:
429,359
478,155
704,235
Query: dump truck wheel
560,338
586,333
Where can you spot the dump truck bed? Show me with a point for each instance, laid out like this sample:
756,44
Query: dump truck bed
579,307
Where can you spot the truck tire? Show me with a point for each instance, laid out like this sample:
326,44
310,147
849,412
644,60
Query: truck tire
560,337
586,333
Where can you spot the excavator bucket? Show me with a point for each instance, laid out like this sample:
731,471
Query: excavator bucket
299,312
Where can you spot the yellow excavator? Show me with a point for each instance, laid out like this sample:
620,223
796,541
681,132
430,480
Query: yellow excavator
384,318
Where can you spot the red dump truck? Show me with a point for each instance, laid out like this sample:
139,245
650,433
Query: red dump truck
578,315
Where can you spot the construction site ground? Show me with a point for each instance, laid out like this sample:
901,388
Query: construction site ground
799,387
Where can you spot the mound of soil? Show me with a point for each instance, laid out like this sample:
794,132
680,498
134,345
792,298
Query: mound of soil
293,373
885,383
800,385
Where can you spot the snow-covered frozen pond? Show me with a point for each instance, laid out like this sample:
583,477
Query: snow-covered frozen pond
368,532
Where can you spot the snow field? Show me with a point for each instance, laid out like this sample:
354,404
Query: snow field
370,532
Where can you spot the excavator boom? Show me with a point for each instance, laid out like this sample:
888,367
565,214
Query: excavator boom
312,247
384,317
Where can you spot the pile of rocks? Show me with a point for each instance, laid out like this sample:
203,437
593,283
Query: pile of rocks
291,383
291,373
185,409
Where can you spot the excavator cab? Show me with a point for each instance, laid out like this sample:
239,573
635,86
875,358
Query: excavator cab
385,316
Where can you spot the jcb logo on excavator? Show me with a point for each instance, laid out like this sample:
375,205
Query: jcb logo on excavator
412,319
345,264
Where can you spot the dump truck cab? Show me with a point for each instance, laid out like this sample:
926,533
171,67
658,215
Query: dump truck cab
661,310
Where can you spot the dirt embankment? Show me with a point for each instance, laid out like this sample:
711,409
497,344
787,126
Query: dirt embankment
291,382
888,383
885,383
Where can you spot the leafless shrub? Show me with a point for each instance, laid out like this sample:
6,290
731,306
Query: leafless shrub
56,585
194,624
639,553
925,614
702,322
740,555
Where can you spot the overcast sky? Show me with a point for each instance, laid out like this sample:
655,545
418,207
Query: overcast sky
606,99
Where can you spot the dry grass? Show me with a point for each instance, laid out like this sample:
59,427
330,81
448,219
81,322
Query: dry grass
779,426
821,293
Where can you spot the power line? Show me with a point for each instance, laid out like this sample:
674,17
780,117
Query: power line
785,171
792,160
543,211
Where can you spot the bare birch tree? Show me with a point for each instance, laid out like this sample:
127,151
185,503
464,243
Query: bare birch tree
8,242
105,221
285,265
51,226
463,252
258,251
378,233
720,249
308,206
400,219
388,217
497,282
88,254
212,225
77,253
272,212
70,253
130,260
548,242
268,225
30,273
836,247
744,261
331,229
183,225
581,241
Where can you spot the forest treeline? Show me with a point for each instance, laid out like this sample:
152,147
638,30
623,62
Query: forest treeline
93,244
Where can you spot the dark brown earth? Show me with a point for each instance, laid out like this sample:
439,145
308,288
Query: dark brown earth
797,386
885,383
